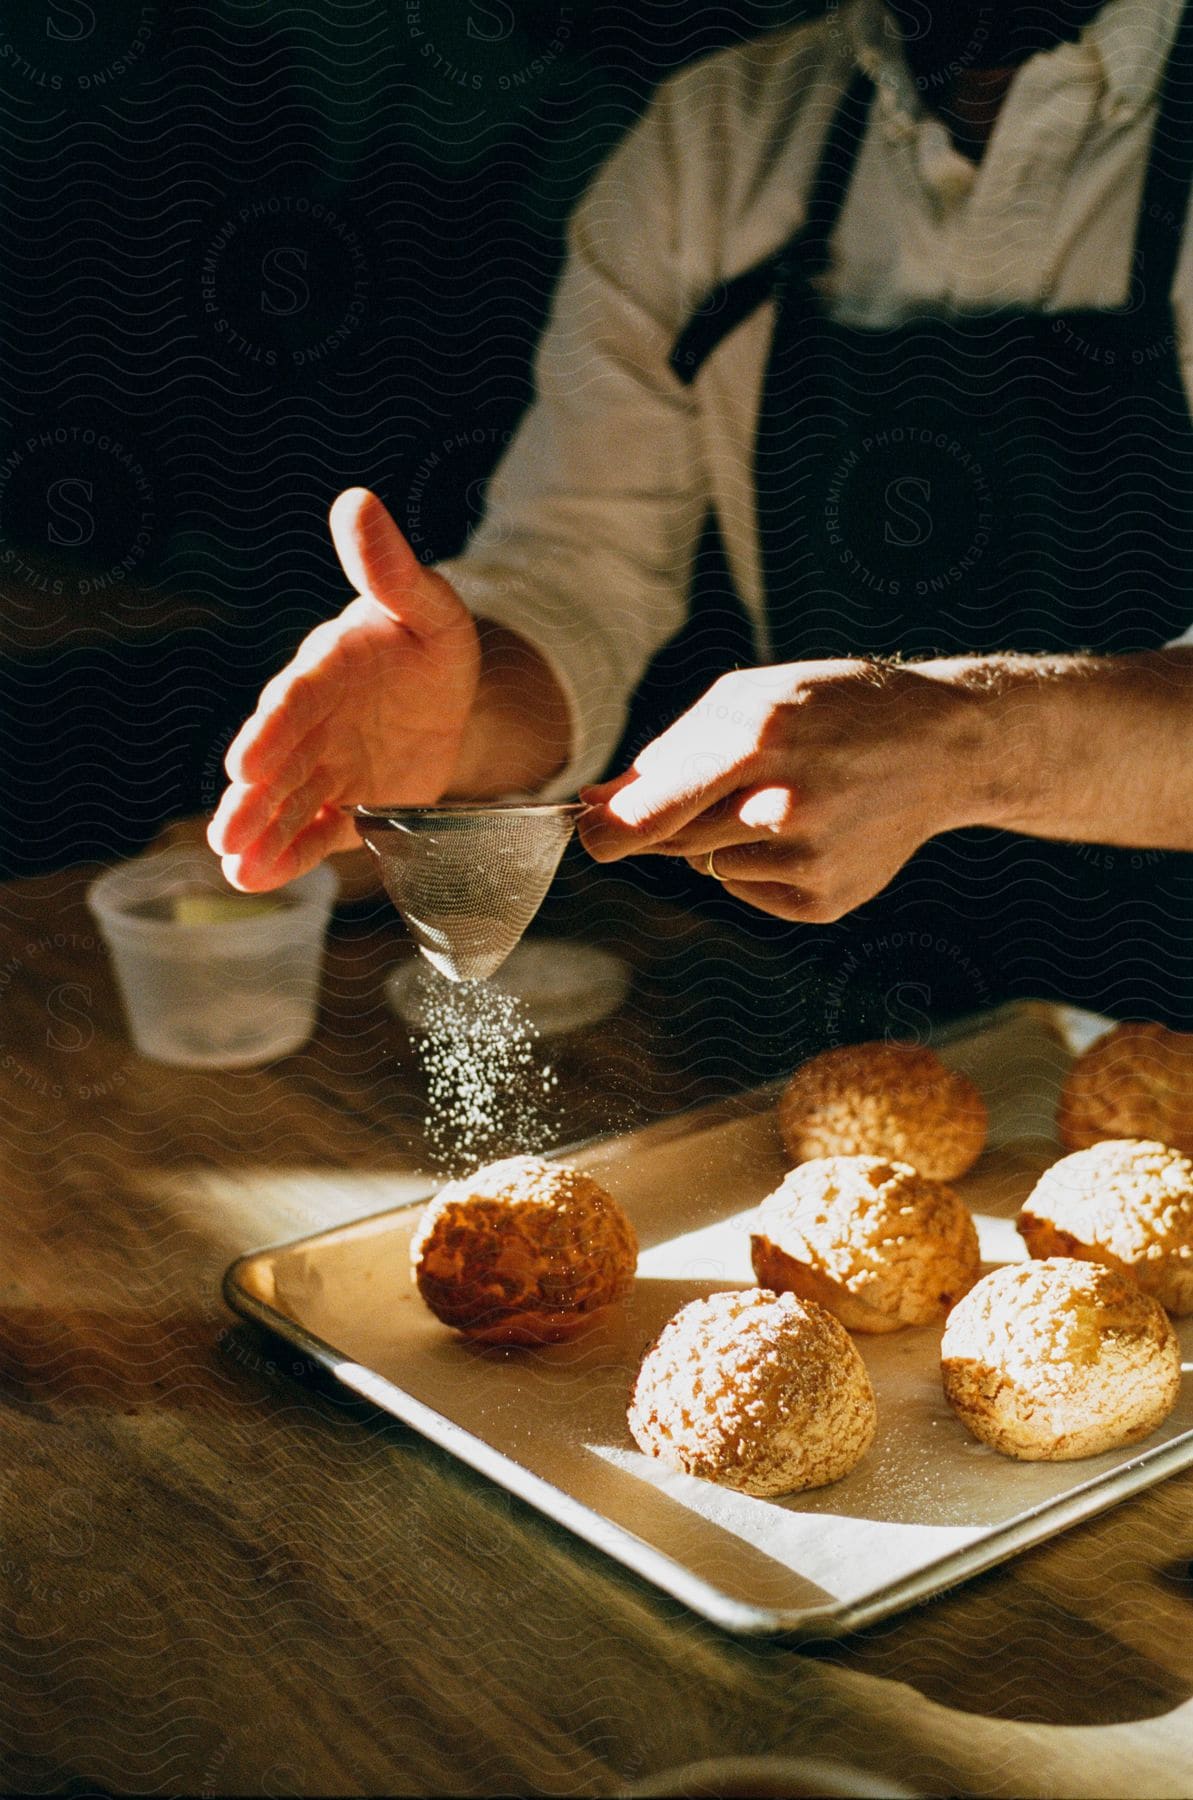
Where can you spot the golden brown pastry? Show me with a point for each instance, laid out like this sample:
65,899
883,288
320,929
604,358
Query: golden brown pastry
1127,1203
761,1392
892,1100
1053,1360
522,1252
876,1242
1136,1082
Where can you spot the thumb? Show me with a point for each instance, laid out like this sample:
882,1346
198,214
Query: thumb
380,564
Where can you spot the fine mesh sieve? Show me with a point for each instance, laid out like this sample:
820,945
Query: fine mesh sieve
467,879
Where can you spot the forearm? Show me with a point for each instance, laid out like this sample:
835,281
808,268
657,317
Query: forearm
1096,749
517,736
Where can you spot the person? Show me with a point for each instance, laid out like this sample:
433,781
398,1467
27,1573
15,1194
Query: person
902,304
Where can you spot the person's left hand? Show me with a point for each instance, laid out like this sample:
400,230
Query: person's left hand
811,782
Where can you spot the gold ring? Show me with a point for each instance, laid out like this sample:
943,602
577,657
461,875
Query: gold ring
710,867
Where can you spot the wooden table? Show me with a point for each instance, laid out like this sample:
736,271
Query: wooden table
222,1575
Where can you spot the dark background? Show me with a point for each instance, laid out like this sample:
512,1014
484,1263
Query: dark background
250,255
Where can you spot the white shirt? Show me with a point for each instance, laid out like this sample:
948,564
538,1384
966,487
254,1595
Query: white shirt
594,514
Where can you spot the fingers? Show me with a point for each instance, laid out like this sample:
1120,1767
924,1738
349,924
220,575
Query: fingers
246,807
744,816
744,865
380,564
597,792
271,861
716,749
761,815
300,699
796,881
290,819
643,809
291,709
782,902
256,825
242,814
247,810
786,881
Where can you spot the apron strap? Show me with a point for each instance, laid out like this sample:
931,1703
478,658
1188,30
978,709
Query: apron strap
731,302
1160,228
1158,235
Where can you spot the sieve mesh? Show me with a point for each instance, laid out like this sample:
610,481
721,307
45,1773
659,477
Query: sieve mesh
467,879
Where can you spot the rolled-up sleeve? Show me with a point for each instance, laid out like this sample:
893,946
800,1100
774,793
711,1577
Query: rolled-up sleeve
587,541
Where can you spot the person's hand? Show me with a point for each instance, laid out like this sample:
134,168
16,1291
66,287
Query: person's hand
811,782
372,709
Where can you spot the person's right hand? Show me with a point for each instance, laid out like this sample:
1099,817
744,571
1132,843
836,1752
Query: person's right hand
371,710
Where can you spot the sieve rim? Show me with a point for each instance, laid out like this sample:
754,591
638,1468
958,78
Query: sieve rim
457,809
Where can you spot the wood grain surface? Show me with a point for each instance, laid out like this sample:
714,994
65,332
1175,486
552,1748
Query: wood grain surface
221,1575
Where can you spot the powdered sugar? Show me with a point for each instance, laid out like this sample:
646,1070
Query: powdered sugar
490,1092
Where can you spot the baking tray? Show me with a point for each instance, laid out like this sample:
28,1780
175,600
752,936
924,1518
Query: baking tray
927,1506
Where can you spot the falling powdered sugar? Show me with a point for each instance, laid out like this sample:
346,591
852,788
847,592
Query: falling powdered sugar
489,1092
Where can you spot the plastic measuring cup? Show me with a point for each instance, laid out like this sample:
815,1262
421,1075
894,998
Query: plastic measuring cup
212,982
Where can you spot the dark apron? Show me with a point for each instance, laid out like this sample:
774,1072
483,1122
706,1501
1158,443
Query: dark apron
969,483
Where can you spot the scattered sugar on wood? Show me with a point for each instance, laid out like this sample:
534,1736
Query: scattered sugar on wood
490,1092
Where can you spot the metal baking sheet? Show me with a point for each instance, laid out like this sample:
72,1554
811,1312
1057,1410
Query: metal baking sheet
927,1507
